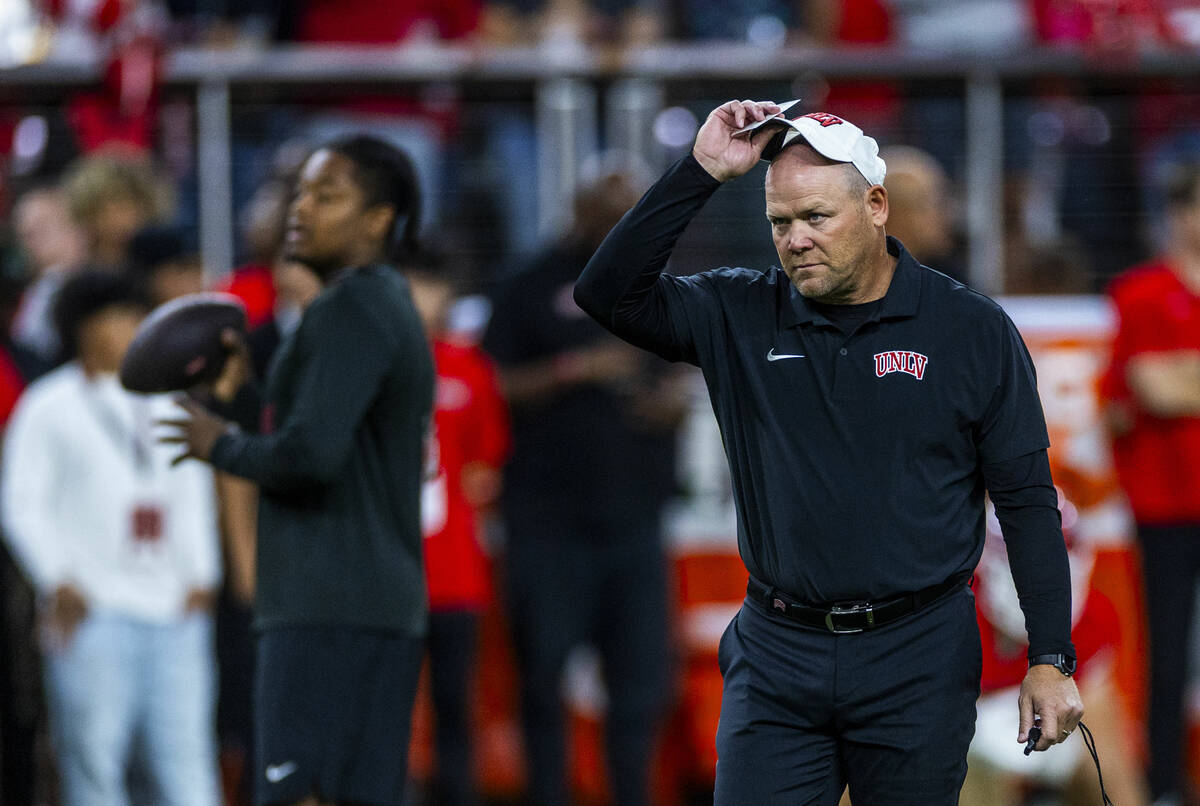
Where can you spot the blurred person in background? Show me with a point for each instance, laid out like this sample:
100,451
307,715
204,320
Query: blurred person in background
920,211
1033,262
295,286
164,264
122,549
53,247
21,701
111,196
559,25
470,443
261,223
1152,389
963,26
998,771
126,41
592,466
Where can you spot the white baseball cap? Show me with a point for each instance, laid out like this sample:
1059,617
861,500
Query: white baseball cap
832,137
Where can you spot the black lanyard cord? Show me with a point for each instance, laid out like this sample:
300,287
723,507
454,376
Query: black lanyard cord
1090,742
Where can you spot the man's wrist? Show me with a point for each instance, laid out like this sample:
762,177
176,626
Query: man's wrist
710,167
1059,660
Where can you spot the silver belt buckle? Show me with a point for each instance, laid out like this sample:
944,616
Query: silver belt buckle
848,608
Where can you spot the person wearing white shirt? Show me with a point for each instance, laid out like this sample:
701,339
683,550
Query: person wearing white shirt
123,550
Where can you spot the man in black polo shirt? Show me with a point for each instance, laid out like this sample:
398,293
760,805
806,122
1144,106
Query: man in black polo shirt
340,597
865,403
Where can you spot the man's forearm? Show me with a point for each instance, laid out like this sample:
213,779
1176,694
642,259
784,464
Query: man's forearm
1027,508
1166,385
616,287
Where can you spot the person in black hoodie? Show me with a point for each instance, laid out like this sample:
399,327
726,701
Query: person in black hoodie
340,597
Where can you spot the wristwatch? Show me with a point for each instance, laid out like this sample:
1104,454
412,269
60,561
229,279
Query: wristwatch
1064,663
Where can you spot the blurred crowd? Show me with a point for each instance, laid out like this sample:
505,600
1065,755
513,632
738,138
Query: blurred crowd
1106,24
127,584
1068,147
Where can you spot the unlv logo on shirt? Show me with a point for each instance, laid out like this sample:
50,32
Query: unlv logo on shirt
904,361
825,119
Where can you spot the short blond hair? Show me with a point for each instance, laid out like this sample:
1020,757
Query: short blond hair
97,178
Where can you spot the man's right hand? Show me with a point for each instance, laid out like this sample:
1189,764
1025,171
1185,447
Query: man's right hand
727,157
67,610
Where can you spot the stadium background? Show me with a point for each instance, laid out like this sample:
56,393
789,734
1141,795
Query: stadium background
1053,120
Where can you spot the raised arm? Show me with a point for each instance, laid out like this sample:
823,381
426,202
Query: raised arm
622,286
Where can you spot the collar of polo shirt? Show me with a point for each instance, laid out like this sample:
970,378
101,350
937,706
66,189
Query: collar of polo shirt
899,302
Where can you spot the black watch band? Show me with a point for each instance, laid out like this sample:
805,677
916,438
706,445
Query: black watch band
1064,663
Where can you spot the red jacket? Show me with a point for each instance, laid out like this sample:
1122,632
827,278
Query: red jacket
1156,461
470,426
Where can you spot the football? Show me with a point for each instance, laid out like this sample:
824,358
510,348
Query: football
179,344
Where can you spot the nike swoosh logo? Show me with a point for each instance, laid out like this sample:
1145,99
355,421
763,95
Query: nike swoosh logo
277,772
773,356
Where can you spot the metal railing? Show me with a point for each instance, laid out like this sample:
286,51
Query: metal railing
570,83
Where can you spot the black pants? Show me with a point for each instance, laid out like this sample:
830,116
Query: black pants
453,643
890,711
1171,568
612,595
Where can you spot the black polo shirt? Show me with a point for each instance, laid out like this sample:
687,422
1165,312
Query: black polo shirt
857,460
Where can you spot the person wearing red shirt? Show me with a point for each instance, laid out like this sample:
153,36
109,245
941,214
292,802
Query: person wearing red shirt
998,769
1152,391
470,443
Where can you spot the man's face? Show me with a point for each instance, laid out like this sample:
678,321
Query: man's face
329,226
823,221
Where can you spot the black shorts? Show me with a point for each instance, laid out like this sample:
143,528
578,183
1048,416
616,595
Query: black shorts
333,707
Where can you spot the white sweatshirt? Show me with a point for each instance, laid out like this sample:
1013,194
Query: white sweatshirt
78,506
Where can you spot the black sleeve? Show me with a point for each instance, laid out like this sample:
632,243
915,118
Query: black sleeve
1013,424
1027,506
245,409
623,287
345,353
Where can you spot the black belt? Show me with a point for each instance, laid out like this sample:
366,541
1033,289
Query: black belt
850,617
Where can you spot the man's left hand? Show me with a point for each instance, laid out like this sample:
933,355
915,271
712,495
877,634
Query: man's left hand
1051,695
199,433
